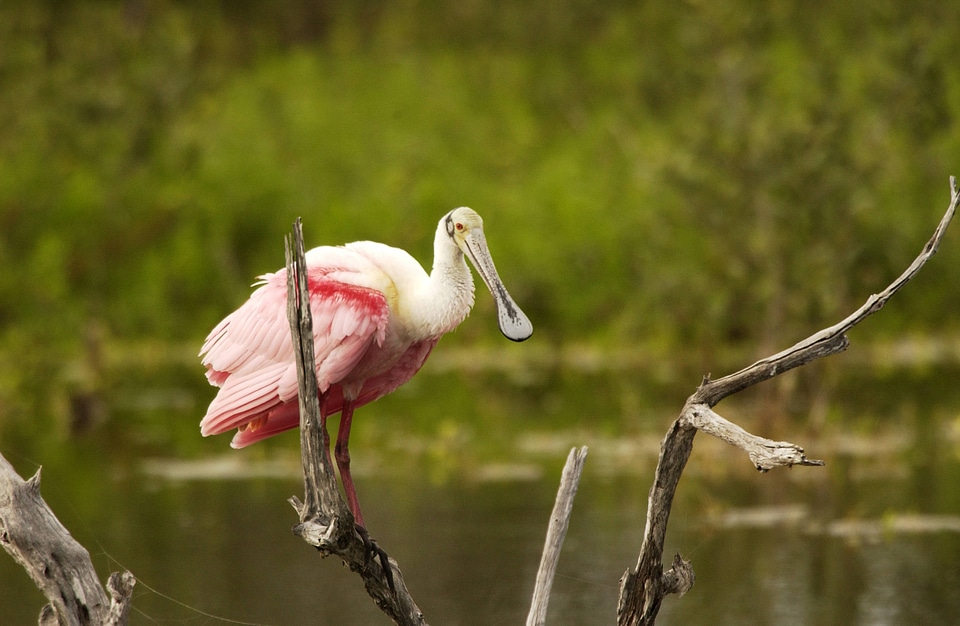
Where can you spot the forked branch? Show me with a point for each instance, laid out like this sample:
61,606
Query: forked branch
642,589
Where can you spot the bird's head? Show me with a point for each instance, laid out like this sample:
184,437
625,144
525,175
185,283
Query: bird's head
465,227
461,222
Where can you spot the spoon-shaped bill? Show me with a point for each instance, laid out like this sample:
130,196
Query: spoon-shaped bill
513,323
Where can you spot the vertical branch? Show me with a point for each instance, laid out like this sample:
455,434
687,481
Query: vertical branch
325,520
642,590
556,532
321,496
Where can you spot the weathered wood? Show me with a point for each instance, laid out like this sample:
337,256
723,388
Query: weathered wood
829,340
765,454
56,562
325,519
556,532
643,588
120,587
321,496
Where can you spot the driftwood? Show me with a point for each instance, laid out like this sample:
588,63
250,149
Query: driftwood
556,532
642,589
325,519
60,566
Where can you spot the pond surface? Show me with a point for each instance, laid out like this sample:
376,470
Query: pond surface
872,538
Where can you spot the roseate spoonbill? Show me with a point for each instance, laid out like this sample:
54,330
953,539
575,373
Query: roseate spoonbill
376,316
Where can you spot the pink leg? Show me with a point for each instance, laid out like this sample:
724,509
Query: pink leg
342,453
343,462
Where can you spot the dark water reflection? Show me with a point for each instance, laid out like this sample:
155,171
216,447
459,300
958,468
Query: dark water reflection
469,553
867,540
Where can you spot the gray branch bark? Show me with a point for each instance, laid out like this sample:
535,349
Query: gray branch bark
325,519
59,566
556,532
643,588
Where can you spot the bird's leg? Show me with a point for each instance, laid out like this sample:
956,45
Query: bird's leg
342,453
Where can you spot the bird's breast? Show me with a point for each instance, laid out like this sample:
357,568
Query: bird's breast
379,358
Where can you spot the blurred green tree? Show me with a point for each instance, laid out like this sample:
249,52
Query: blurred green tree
678,178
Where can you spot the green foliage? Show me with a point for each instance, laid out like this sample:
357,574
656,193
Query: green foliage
676,176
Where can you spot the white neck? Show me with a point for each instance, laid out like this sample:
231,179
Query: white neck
446,297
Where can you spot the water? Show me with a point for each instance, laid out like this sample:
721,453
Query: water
873,538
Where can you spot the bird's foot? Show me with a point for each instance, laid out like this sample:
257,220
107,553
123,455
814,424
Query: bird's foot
374,550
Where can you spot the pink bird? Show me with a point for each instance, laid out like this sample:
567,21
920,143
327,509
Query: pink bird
376,316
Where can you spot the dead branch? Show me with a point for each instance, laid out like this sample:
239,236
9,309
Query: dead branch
642,589
325,519
765,454
59,566
556,531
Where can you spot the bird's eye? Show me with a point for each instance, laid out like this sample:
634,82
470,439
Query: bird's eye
459,226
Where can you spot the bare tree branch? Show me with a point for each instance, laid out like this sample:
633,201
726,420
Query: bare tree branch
59,566
829,340
325,519
556,532
765,454
642,589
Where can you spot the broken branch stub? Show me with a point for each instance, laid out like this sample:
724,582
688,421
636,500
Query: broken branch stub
556,532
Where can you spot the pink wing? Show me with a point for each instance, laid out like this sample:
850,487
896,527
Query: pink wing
249,355
287,415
